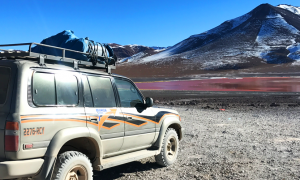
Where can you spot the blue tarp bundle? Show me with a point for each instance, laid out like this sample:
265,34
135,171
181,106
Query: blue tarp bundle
65,39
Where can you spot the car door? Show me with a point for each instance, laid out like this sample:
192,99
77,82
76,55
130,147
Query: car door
102,112
139,121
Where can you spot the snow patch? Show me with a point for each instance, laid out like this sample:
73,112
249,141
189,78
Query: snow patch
157,56
271,25
134,57
294,51
271,16
124,60
270,35
296,63
158,47
159,50
135,45
212,65
293,9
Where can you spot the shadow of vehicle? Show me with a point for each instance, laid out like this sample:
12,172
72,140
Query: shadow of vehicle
120,171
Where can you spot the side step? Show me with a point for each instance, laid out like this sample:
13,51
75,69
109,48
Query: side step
126,158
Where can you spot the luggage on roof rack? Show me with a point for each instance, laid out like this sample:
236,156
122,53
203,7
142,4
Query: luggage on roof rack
108,62
67,39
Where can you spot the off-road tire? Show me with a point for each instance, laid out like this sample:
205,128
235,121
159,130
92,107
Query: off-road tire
163,158
70,160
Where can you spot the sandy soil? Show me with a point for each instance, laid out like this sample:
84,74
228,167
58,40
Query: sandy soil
254,138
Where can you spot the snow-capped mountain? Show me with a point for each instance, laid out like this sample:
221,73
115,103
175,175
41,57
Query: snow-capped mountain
159,48
131,52
259,33
127,50
293,9
266,35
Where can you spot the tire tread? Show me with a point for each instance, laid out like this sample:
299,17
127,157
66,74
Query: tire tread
63,160
160,158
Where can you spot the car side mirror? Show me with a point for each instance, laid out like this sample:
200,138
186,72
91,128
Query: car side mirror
149,102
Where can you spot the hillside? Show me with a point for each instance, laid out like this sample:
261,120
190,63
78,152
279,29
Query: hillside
128,53
264,40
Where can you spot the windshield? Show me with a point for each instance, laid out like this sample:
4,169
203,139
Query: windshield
4,80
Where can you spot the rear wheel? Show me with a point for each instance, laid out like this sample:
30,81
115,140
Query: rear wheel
169,150
72,165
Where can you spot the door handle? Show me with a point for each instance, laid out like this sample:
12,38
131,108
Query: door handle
94,119
129,117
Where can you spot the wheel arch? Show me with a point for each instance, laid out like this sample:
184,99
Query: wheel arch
168,122
177,128
85,145
70,139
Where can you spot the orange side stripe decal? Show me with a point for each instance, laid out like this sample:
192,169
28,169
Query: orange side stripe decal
48,120
92,123
46,116
105,116
138,117
51,116
150,119
44,120
102,120
169,114
117,120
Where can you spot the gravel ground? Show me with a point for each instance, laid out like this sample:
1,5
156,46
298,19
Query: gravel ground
253,139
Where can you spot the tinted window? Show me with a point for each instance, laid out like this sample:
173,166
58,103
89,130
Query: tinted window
50,89
102,92
4,80
66,89
88,102
43,89
129,95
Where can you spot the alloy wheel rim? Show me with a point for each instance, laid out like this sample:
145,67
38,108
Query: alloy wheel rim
171,148
78,172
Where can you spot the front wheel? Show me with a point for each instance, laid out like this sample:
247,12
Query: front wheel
72,165
169,150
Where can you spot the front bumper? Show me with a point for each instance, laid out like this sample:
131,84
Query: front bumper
16,169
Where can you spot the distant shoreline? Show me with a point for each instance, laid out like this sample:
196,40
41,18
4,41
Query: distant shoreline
209,76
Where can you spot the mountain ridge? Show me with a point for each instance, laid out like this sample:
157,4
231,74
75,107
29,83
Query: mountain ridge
196,41
252,42
125,52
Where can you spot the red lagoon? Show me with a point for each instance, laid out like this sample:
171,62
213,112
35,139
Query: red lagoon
259,84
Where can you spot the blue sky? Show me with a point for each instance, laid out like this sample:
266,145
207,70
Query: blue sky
150,23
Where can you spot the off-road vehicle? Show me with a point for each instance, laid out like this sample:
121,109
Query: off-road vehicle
61,118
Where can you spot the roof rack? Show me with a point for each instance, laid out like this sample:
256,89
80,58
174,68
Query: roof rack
29,55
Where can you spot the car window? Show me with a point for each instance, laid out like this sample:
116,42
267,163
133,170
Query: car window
43,89
66,89
50,89
129,95
88,101
4,80
102,92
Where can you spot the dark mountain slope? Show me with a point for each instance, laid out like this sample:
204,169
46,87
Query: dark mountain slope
250,43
